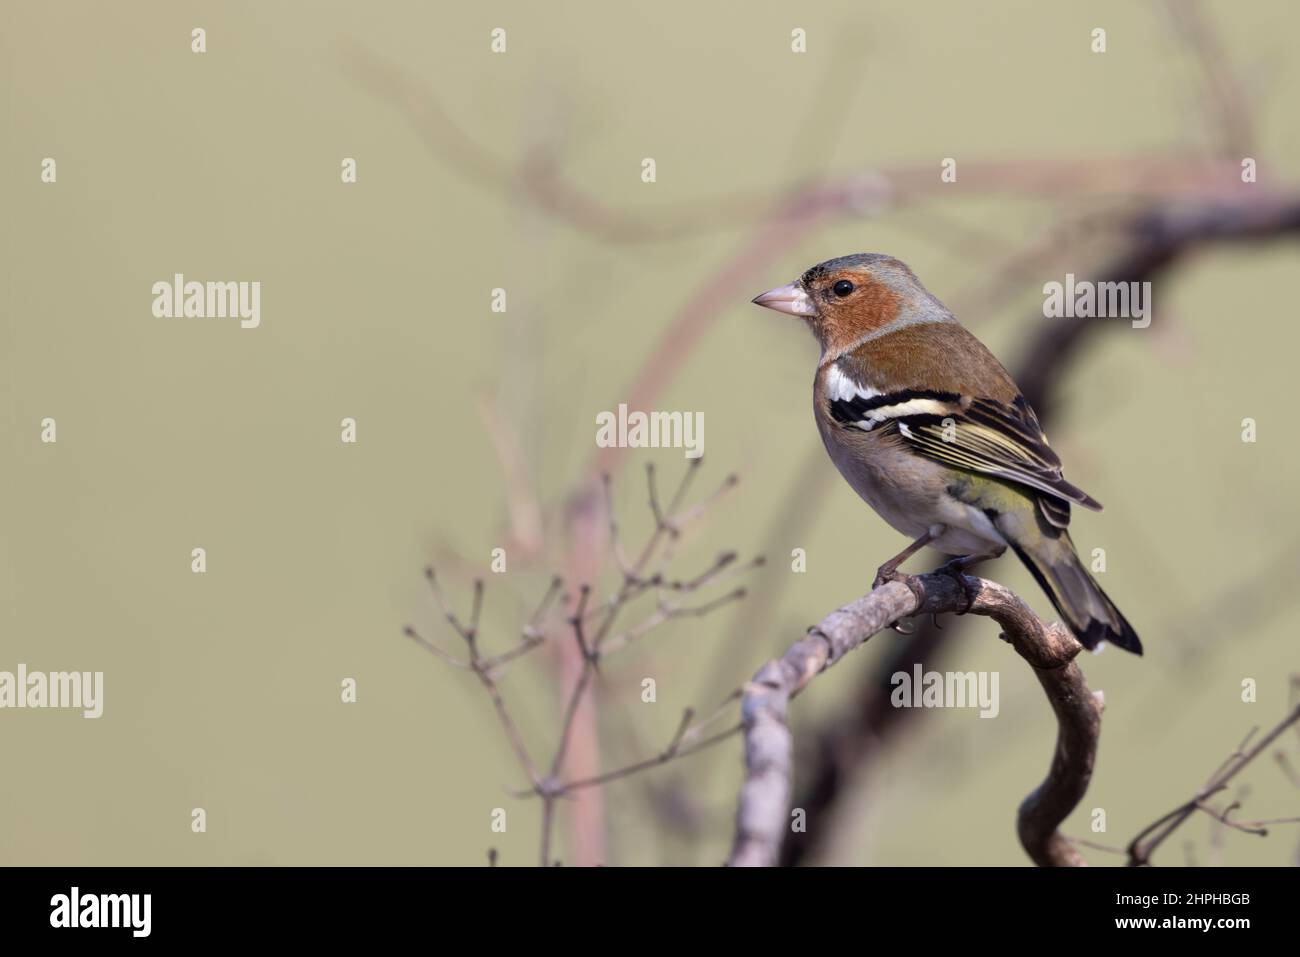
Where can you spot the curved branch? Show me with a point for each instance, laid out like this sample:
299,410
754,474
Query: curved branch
762,817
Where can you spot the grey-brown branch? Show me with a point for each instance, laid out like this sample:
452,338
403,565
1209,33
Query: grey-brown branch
764,814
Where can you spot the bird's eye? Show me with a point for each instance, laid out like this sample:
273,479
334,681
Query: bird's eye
842,288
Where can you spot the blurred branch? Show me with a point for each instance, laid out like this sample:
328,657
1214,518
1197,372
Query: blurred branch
1153,241
487,668
762,818
592,625
856,193
1153,835
1227,102
688,739
523,509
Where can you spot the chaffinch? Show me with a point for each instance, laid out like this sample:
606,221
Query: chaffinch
930,430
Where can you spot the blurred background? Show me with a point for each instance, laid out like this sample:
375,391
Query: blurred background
522,170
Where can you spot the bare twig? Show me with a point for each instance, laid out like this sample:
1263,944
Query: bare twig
638,576
678,749
1156,833
1227,104
522,505
592,623
1104,848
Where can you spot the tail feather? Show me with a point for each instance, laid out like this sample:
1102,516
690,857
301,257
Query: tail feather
1089,614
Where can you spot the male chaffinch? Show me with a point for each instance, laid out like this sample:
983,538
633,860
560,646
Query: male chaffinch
930,430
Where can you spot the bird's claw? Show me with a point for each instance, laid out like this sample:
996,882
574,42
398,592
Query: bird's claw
886,574
956,570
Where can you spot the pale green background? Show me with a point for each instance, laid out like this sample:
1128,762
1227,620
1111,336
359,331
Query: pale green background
222,690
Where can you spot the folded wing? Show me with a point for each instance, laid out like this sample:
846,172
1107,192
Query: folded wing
972,433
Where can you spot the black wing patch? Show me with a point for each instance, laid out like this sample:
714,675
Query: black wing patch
866,411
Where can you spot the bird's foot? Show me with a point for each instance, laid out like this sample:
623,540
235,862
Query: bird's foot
889,572
956,570
886,573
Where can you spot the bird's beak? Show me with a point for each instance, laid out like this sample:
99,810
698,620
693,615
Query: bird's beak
791,300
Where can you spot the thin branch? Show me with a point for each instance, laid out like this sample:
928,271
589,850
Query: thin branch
688,740
522,505
441,599
579,616
1246,827
529,642
615,543
698,611
508,724
1154,834
548,826
671,754
481,668
433,649
638,577
1284,762
1104,848
570,713
477,612
1230,107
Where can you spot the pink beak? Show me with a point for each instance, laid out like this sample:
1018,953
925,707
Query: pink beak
791,300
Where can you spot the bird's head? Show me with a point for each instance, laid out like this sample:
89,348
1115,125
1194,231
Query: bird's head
846,299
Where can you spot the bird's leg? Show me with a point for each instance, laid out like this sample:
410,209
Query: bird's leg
889,571
956,569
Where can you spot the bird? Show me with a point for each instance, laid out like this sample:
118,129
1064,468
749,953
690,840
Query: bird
930,430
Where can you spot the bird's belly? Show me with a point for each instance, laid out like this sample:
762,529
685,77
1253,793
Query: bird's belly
909,492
